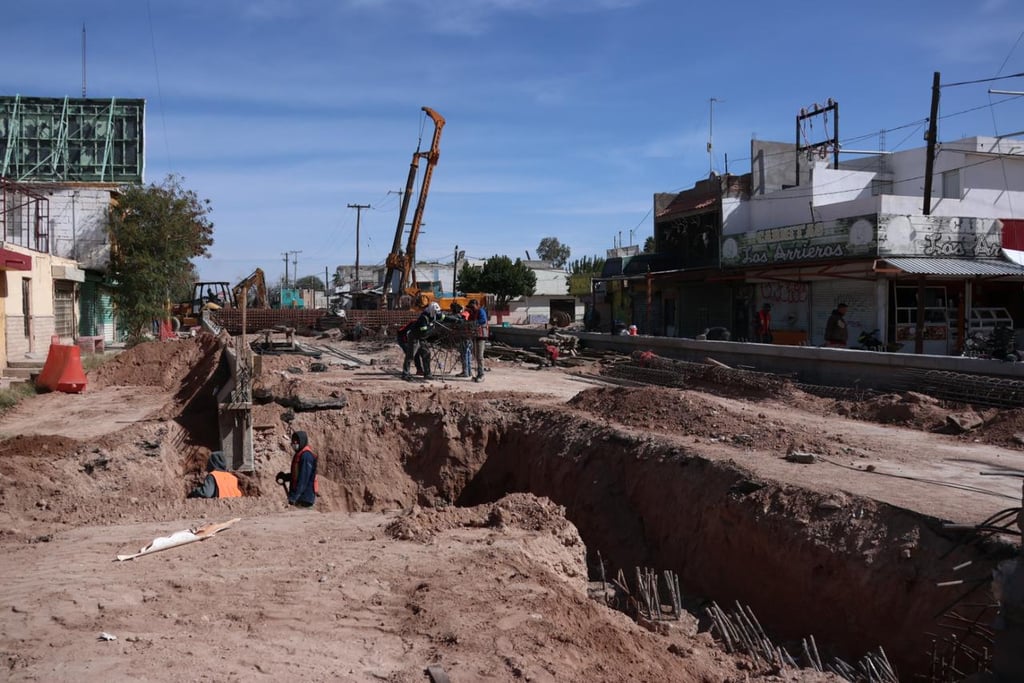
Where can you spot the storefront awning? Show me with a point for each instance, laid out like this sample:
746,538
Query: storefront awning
12,260
72,273
951,267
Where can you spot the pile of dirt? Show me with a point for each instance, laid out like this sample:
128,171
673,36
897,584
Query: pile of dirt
516,510
909,409
677,411
1002,428
168,365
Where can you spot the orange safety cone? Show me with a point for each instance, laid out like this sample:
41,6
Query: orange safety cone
63,370
72,379
166,330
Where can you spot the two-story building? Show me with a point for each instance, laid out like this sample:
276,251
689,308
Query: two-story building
62,161
806,232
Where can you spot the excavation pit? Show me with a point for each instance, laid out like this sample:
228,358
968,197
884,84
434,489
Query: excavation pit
850,549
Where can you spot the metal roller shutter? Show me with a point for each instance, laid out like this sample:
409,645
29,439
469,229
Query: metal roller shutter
859,296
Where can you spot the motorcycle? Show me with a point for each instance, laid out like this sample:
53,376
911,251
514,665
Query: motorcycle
997,345
871,341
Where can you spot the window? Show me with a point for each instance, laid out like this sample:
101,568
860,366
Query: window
64,308
951,184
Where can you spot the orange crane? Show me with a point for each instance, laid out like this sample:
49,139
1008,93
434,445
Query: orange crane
399,263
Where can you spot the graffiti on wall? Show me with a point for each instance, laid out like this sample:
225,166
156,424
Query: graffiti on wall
784,292
817,241
938,236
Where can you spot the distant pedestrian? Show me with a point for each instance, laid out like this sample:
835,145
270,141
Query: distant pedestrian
836,332
764,324
478,316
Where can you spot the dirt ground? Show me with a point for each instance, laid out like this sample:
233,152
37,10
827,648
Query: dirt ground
426,546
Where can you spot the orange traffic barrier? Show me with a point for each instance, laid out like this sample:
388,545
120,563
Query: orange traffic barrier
63,370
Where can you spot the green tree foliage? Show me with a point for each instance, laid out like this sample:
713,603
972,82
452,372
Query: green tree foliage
309,282
581,272
468,279
649,245
553,251
155,231
499,276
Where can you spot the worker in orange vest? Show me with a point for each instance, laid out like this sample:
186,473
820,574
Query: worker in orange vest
764,325
219,483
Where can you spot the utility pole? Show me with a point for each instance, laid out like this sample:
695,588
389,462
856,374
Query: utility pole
711,127
359,212
285,254
295,263
930,138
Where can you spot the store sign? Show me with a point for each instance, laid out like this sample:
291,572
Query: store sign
818,241
938,236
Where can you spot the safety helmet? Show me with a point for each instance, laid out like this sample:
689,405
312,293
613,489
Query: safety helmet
434,308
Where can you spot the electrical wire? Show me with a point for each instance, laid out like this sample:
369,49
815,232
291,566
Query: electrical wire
935,482
1010,54
159,89
982,80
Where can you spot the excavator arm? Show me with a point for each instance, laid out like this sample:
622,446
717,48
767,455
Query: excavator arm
398,262
257,281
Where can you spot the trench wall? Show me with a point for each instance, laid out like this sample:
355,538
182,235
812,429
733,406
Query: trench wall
854,573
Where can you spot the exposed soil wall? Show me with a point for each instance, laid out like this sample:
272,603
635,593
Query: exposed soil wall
854,573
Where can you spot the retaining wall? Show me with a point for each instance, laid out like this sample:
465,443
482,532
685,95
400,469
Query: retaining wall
813,365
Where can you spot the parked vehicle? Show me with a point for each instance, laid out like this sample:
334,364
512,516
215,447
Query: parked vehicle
872,341
999,344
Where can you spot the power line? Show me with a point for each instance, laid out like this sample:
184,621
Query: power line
983,80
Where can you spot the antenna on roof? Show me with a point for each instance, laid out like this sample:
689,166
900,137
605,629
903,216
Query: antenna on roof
83,59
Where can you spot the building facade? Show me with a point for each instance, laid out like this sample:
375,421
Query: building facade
805,234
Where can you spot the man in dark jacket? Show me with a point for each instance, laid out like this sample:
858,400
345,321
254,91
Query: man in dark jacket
405,342
836,333
219,483
419,348
302,482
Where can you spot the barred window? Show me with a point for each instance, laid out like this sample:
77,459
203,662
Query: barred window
64,308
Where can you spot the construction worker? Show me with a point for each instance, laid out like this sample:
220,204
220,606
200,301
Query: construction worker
460,316
478,315
418,346
219,483
405,342
764,324
303,486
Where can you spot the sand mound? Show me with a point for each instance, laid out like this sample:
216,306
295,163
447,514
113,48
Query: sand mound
168,365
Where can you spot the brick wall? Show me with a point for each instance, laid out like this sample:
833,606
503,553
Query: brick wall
18,345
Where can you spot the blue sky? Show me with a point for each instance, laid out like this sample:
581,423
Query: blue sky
564,117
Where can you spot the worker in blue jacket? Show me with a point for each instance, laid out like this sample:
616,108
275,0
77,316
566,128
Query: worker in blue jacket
303,486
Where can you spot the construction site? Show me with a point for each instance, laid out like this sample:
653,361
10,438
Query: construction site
609,516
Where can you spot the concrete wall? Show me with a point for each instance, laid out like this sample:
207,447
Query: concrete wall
811,365
78,225
537,310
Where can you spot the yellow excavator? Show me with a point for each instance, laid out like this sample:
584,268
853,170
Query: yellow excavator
252,290
399,274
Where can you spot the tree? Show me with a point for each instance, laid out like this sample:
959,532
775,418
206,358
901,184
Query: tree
155,231
649,245
553,251
309,282
581,272
501,277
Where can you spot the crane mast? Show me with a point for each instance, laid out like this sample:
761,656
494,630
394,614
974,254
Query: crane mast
398,262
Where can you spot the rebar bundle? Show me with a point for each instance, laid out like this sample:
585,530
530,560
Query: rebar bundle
998,392
740,631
